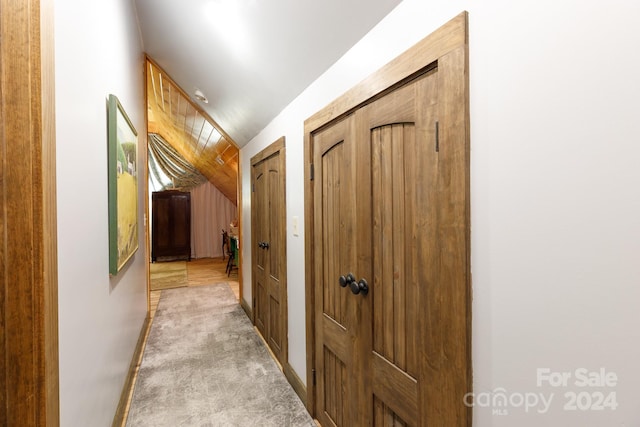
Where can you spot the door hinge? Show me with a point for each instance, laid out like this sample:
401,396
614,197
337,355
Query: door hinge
437,137
311,173
313,374
253,188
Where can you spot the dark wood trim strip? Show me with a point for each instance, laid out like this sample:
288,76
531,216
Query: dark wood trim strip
240,227
120,418
308,275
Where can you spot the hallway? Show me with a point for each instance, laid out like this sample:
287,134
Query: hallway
204,363
204,271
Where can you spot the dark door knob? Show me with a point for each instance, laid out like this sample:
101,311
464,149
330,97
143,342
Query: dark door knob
346,280
361,287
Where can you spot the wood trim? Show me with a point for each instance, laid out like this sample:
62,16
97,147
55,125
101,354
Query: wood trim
147,223
449,37
284,295
295,382
50,395
454,106
276,146
309,257
29,372
119,420
240,232
444,39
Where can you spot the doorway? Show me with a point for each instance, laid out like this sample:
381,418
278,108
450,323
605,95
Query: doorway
189,151
387,205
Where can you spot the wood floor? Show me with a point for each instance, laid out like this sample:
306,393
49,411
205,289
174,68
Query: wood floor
204,271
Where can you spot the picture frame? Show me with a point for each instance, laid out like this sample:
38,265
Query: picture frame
123,186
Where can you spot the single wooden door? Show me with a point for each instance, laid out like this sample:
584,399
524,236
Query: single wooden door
268,249
391,347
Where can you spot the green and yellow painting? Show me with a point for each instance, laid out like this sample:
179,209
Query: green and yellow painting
123,187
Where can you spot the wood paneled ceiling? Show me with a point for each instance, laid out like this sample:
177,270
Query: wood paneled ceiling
195,135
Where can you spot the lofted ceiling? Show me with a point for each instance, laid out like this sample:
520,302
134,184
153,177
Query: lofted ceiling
251,58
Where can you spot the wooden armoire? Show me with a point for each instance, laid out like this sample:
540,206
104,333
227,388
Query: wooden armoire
171,225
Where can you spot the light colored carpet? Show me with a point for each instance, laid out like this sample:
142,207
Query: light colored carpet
167,275
204,365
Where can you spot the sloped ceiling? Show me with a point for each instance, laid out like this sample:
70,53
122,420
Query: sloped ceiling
251,58
197,137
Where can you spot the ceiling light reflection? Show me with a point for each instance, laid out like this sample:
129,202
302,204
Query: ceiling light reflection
226,20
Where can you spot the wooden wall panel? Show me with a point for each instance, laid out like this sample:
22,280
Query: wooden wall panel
195,135
28,248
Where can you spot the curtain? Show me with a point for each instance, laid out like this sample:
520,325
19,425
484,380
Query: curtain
168,169
211,212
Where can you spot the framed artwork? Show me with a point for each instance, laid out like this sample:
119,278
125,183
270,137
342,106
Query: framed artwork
123,186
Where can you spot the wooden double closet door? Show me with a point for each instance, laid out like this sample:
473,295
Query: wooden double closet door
390,260
269,265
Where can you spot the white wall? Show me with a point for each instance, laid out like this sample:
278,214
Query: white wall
98,52
555,195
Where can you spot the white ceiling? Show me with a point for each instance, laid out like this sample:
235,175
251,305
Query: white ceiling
252,57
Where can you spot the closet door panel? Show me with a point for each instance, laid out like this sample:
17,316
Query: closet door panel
269,247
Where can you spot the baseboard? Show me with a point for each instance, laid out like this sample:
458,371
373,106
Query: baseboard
296,383
246,309
287,370
119,419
